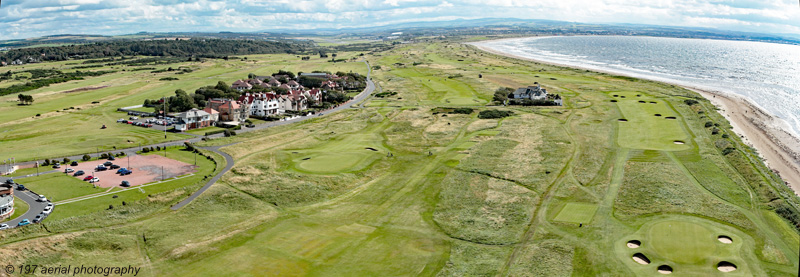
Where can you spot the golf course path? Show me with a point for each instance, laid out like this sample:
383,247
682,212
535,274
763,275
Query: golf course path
228,165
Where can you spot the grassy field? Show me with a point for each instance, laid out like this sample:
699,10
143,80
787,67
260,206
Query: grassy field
66,113
396,189
20,208
59,186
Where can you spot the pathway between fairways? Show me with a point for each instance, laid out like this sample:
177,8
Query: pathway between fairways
228,166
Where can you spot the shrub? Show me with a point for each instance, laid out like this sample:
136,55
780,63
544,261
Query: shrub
146,150
714,131
709,124
690,102
158,148
46,162
104,156
728,150
121,154
725,136
66,160
489,114
463,111
38,114
86,157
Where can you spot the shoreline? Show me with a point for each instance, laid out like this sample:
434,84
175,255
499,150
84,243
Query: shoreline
757,128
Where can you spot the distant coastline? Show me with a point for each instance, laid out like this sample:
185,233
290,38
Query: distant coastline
757,127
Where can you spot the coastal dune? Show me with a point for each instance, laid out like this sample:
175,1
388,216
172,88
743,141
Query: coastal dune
766,133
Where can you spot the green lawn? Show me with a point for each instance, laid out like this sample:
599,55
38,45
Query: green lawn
58,186
577,213
648,126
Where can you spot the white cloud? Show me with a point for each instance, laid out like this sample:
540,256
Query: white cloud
20,19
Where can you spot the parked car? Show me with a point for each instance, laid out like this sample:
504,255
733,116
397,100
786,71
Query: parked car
87,178
78,173
113,166
101,168
126,172
4,226
42,198
94,180
56,166
69,170
24,222
50,204
21,187
121,170
10,181
107,163
47,210
133,118
125,184
111,158
74,163
38,218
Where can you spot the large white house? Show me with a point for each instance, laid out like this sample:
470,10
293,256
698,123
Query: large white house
194,119
262,104
531,92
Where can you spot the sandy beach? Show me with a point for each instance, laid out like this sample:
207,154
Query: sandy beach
757,128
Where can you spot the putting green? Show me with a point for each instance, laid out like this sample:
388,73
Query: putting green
650,125
347,153
683,242
690,245
577,213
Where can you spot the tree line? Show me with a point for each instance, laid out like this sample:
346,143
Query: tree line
209,48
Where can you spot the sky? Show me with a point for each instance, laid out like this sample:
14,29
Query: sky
34,18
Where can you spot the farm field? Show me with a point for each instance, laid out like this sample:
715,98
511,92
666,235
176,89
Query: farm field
404,187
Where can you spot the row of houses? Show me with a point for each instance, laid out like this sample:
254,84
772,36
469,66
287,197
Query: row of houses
234,112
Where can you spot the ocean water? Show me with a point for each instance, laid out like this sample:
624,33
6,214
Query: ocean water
768,74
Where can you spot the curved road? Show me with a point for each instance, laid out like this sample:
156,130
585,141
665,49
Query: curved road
229,160
37,207
228,165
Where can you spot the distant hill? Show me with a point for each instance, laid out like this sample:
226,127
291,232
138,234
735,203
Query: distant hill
169,48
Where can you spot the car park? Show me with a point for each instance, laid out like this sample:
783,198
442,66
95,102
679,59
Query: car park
4,226
78,173
125,184
42,198
113,166
94,180
69,170
24,222
87,178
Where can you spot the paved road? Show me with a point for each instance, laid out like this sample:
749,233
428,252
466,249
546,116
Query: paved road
34,207
229,164
132,151
361,96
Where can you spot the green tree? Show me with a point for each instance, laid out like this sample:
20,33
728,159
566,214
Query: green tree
86,158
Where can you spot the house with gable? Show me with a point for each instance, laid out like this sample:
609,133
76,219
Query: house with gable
193,119
262,104
535,92
241,85
230,111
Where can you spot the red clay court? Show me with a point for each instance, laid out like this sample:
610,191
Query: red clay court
146,169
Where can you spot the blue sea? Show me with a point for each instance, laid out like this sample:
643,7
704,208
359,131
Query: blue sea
767,74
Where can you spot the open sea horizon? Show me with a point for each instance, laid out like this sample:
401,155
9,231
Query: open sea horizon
767,74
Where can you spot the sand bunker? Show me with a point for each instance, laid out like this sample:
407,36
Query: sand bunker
85,89
372,149
634,244
615,95
306,159
641,259
665,269
613,101
658,114
726,266
679,142
653,102
622,119
725,239
670,117
640,101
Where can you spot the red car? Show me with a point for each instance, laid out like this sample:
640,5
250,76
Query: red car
88,178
